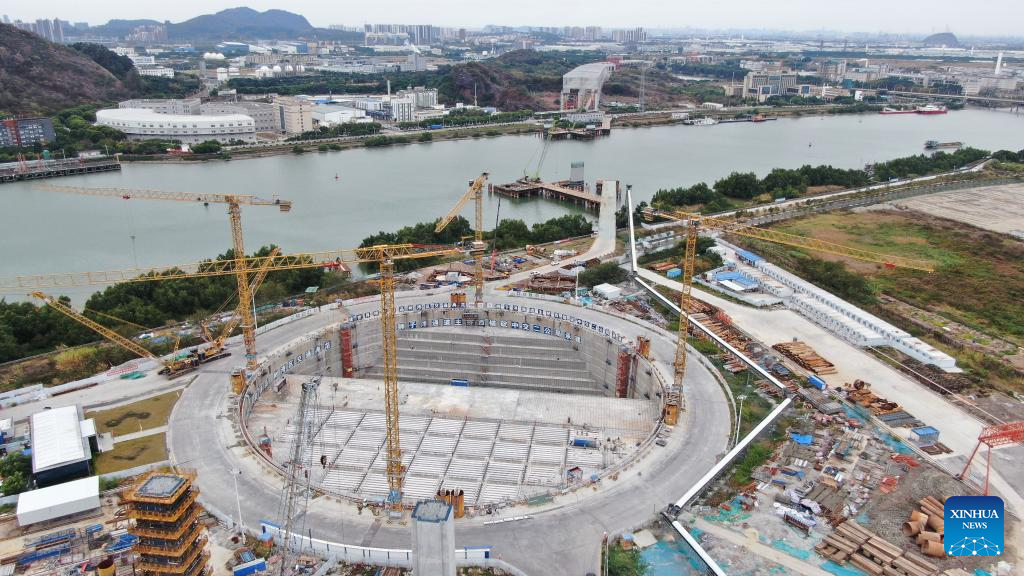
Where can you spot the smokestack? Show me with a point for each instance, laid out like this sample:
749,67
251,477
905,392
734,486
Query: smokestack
389,89
999,63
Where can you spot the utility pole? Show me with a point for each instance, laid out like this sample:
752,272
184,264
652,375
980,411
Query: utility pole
643,84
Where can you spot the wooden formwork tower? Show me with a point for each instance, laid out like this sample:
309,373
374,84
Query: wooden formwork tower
166,514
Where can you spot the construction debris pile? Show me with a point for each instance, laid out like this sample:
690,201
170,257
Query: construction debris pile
806,357
851,542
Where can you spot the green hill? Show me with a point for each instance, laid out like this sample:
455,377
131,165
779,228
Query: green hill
40,77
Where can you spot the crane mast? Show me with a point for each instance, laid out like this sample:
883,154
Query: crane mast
389,345
234,202
476,193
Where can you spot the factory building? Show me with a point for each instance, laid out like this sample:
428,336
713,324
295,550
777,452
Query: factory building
26,132
403,109
295,114
164,105
764,85
62,445
145,124
264,114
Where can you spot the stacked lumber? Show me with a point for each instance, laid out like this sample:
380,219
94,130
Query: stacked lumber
806,357
852,543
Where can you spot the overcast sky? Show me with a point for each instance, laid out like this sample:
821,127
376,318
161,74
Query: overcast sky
985,17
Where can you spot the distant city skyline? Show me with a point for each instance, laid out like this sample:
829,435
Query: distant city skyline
996,18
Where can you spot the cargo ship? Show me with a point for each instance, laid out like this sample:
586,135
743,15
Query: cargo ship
931,109
888,110
705,121
935,144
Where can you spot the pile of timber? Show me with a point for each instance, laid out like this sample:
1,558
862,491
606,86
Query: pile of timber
927,526
806,357
851,542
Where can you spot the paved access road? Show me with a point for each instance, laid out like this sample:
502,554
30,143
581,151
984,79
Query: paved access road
564,539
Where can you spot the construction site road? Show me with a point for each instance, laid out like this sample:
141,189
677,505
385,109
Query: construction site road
561,538
958,430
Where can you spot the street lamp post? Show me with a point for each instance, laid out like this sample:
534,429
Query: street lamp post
235,473
739,419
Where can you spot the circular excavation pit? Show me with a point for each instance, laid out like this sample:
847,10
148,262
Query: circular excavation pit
504,405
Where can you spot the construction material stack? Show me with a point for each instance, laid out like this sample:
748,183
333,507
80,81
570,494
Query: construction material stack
167,525
806,357
852,543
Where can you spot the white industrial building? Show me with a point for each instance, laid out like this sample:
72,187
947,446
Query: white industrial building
330,115
61,448
164,105
403,109
264,114
296,113
158,71
58,501
145,124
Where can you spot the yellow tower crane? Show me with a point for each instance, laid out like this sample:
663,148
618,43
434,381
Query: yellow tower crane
218,343
234,202
385,255
695,223
475,192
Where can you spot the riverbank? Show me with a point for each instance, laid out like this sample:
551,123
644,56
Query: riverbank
339,199
660,118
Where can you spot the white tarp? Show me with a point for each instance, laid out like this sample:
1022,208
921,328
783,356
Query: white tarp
608,291
58,501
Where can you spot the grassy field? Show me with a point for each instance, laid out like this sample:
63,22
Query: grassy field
137,416
132,453
978,279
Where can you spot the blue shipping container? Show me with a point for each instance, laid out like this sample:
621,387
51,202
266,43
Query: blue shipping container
584,442
459,382
817,382
674,273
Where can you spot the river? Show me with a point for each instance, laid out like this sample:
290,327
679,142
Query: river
386,188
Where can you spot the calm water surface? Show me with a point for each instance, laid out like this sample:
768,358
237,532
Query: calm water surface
384,189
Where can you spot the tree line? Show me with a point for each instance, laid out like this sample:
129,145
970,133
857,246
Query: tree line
339,130
27,329
794,182
509,234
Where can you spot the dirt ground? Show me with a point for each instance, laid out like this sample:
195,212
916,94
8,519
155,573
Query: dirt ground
887,512
996,208
142,415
